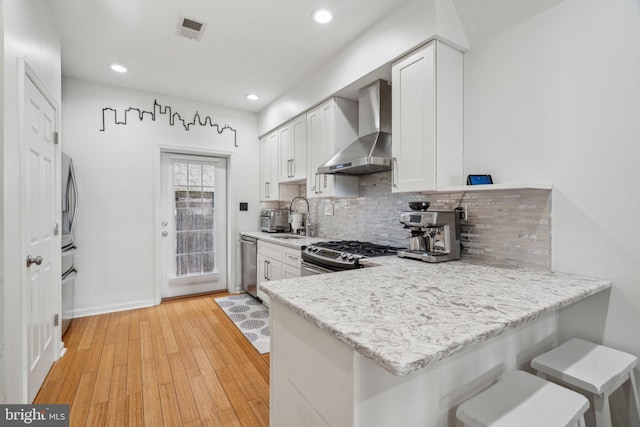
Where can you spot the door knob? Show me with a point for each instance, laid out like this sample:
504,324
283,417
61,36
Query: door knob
31,260
165,234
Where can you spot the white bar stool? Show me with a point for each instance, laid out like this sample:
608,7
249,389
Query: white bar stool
524,400
592,368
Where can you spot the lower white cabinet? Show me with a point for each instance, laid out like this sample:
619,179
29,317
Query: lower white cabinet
276,262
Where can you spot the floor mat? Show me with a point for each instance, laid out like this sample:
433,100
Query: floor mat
250,316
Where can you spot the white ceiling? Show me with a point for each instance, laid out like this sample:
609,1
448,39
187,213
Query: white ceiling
263,47
257,46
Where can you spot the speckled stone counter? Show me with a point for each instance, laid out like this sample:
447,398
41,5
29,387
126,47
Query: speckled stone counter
407,314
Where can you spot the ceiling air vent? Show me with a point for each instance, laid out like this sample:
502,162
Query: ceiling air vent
190,29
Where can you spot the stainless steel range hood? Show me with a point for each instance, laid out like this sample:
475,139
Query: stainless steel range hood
371,152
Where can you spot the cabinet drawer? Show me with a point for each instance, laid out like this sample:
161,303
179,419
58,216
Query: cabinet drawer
270,250
292,257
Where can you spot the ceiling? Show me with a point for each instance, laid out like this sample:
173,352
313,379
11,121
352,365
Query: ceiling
248,46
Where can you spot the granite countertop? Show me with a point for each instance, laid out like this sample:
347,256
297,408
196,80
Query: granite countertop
284,239
407,314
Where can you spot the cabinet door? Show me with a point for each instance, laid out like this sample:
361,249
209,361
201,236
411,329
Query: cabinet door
299,158
319,120
330,126
268,167
427,96
286,152
414,121
289,271
293,150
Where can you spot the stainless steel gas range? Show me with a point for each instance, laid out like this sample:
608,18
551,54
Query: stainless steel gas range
328,257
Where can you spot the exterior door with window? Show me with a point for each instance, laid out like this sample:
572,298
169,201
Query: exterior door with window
193,224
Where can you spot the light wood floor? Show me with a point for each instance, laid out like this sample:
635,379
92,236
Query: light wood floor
182,363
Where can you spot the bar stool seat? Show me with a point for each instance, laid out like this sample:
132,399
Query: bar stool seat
593,368
524,400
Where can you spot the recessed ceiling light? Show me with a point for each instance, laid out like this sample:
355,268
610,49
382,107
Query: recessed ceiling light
322,16
118,68
252,97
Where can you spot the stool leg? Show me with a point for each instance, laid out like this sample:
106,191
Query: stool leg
633,398
602,412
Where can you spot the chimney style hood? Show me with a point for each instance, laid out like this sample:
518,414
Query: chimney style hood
371,152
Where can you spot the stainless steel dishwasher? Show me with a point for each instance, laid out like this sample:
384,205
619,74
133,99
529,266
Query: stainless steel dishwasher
248,264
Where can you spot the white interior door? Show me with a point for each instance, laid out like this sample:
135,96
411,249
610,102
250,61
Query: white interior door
194,224
39,218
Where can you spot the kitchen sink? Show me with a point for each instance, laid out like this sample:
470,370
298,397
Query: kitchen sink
287,237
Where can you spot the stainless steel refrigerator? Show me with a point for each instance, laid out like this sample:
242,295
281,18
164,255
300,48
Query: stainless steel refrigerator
69,220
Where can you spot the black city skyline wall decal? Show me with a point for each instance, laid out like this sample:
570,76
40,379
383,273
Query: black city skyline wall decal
166,110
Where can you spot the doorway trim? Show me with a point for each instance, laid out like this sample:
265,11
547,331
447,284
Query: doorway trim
159,149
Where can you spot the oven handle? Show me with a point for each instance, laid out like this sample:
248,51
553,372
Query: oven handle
314,269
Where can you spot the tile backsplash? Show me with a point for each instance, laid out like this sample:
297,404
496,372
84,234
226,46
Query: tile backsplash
504,227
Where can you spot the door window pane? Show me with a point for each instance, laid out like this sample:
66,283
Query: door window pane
194,186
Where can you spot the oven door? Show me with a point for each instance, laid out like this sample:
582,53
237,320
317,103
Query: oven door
308,269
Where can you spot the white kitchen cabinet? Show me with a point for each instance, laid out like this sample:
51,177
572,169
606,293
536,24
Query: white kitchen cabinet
427,119
276,262
269,189
330,127
293,150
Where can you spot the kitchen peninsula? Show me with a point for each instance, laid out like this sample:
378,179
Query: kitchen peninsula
405,342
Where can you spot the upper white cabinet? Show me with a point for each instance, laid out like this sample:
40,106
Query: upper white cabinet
330,126
269,167
293,150
427,124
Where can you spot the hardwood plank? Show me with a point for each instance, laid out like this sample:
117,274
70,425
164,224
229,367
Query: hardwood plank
167,333
240,406
103,378
95,349
169,404
122,340
97,414
79,413
89,333
152,410
188,409
134,364
133,410
260,410
146,344
117,397
162,362
229,418
203,402
72,379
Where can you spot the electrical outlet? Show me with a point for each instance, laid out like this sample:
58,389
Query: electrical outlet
463,212
328,209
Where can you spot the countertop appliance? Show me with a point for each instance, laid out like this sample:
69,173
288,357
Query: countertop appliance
328,257
274,220
248,265
69,220
371,152
435,235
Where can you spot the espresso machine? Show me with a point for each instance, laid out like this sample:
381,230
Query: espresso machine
435,235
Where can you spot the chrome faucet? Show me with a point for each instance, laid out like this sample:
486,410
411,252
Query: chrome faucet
296,198
307,230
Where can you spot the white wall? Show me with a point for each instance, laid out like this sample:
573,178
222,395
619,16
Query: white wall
557,98
115,169
28,35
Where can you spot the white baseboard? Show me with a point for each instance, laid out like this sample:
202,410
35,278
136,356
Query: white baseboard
92,311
